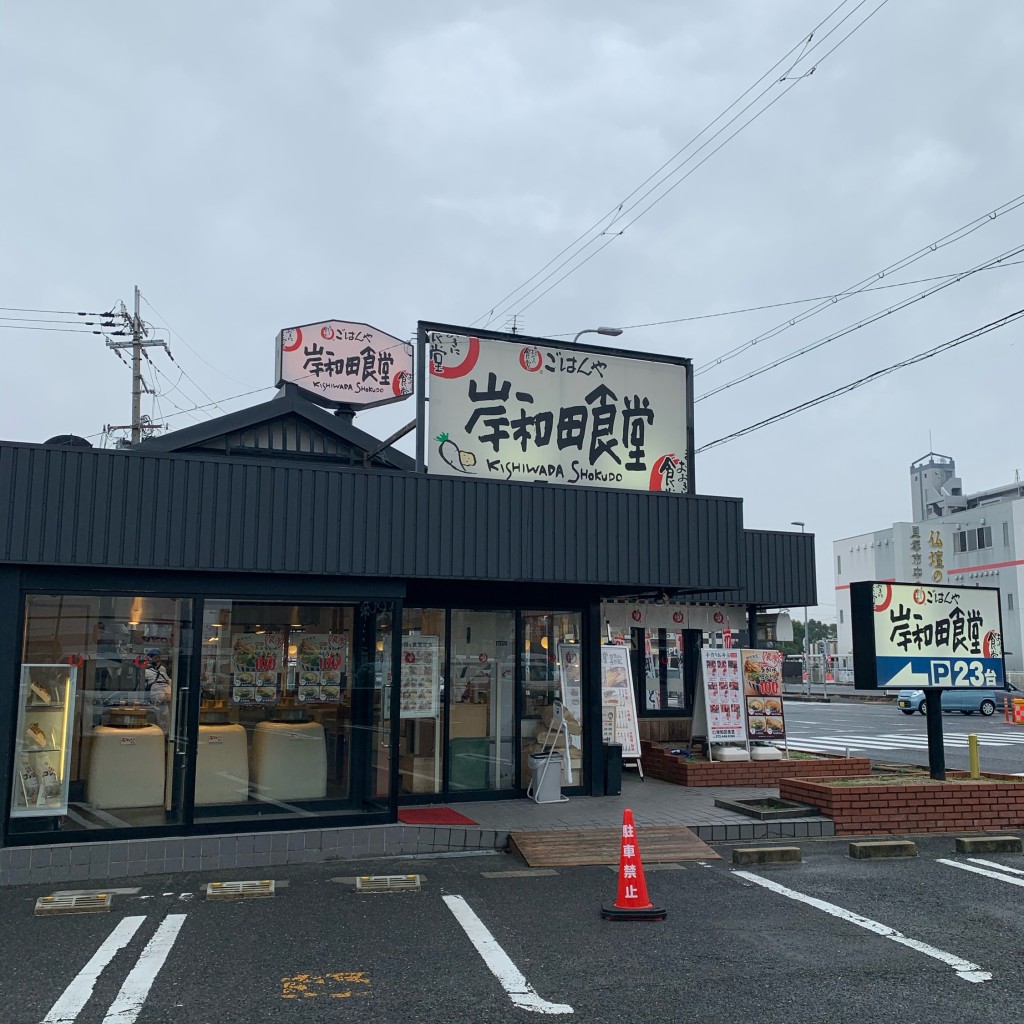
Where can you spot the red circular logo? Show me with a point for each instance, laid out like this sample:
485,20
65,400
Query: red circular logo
401,384
636,615
530,359
327,332
482,658
409,657
678,616
719,617
76,660
920,596
291,339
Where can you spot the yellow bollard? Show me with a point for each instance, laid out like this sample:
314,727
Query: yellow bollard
972,750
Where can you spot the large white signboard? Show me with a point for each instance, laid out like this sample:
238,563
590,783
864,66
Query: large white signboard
913,635
344,363
562,414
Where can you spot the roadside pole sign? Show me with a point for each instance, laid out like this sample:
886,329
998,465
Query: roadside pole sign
908,635
931,638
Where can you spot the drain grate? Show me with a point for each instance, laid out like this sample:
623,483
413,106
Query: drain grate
84,903
240,890
388,883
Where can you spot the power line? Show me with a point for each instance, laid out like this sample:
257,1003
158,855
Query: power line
866,321
195,352
790,302
675,156
44,320
67,330
846,388
63,312
619,211
862,285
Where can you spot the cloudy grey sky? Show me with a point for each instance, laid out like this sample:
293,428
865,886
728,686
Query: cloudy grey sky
254,165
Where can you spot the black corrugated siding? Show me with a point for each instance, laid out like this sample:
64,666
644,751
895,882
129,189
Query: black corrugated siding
778,571
172,511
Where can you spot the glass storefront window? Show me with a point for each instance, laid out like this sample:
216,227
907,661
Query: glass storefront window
421,700
100,722
482,711
550,670
292,712
663,671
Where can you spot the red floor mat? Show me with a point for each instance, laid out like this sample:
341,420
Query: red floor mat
433,816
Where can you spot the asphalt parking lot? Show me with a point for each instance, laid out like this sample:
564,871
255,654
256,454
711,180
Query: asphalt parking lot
826,939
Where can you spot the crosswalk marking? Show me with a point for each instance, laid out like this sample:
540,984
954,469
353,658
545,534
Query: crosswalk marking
895,741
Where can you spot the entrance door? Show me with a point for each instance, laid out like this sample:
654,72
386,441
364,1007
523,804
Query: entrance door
481,724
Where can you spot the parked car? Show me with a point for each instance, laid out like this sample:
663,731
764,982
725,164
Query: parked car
965,700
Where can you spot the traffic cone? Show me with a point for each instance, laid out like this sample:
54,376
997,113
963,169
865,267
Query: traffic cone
631,902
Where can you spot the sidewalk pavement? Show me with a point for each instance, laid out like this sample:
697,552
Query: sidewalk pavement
251,855
653,802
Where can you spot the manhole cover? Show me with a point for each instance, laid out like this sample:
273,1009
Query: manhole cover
387,883
91,903
239,890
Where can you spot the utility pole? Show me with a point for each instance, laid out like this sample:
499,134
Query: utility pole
139,334
807,640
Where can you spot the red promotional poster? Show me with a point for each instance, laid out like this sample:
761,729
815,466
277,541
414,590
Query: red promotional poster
762,694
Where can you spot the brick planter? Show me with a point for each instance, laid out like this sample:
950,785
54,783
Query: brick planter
882,809
660,764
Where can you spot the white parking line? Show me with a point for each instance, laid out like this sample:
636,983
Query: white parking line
994,864
512,981
128,1002
77,994
998,875
964,968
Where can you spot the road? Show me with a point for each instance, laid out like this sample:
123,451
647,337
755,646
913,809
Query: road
882,732
812,942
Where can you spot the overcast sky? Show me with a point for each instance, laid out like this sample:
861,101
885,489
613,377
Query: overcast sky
254,165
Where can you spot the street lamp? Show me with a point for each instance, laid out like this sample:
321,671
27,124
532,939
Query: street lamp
608,332
807,644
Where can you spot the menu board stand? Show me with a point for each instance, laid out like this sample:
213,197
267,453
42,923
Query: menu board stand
719,711
762,695
617,693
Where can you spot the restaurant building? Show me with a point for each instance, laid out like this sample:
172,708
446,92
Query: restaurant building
274,621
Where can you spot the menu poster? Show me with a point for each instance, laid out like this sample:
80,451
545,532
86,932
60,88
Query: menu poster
617,692
723,695
572,684
609,718
257,660
322,667
420,676
762,694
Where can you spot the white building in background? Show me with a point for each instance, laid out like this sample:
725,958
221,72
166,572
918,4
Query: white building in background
954,538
